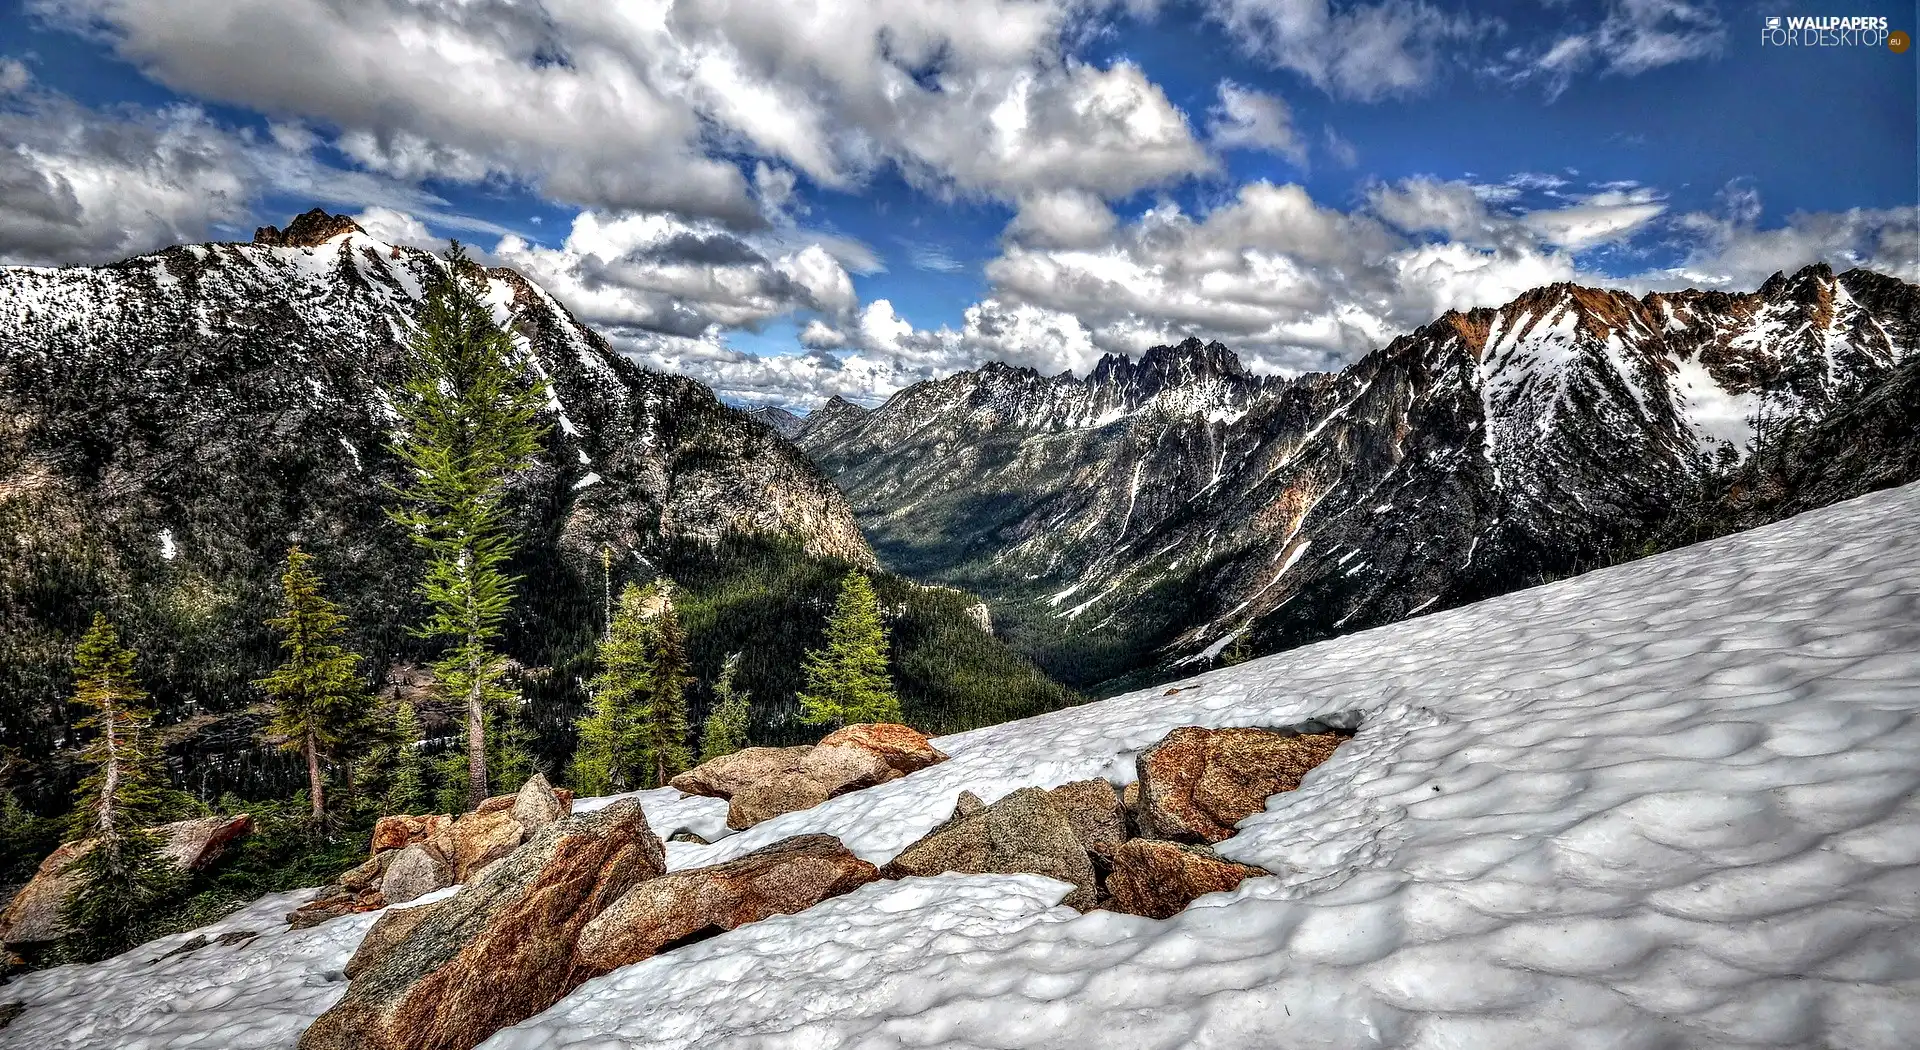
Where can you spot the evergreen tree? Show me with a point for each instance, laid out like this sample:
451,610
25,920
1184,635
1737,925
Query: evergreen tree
123,873
320,705
470,422
408,791
847,680
607,758
662,721
726,727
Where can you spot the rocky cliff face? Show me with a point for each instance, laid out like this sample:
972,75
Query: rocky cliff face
1153,512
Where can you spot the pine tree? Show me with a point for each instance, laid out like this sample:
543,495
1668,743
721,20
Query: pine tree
607,759
662,721
847,680
320,703
470,422
726,727
408,792
123,873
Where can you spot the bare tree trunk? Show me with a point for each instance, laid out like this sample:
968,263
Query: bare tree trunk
476,740
316,786
110,783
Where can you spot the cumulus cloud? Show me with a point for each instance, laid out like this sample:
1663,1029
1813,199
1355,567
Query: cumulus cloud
1250,119
1355,50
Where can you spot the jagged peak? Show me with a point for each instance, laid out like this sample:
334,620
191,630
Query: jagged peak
837,405
1187,358
308,229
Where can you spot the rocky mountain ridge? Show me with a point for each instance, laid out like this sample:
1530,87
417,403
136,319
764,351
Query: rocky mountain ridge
1156,512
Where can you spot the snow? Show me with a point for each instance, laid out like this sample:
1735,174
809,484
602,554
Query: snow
168,548
592,478
1671,803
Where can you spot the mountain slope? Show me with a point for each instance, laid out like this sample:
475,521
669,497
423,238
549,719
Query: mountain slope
1156,512
170,423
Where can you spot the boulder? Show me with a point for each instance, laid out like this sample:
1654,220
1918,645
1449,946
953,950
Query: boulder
967,804
332,903
400,832
789,876
537,805
33,916
505,803
476,840
902,748
767,799
1026,831
1093,810
502,949
1159,879
386,932
1196,784
721,777
414,872
368,875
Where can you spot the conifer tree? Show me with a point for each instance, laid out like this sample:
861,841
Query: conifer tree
726,727
847,679
470,421
124,872
320,703
606,759
662,722
408,792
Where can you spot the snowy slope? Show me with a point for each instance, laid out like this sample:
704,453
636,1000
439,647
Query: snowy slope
1673,803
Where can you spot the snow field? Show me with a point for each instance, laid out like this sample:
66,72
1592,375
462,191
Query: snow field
1673,803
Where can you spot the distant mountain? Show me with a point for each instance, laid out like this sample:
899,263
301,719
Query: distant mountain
832,420
779,420
169,424
1152,513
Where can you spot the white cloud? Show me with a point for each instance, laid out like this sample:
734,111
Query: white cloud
1250,119
1356,50
398,227
1634,37
1062,219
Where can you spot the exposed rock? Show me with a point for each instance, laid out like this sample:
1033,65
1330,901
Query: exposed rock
1159,879
232,938
1093,810
537,805
186,947
386,932
721,777
33,916
401,831
789,876
903,748
683,835
1130,807
967,805
307,230
499,951
368,875
785,793
414,872
841,768
332,903
478,839
1026,831
1196,784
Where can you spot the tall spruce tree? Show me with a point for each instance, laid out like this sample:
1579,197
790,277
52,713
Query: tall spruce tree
320,704
410,788
662,723
607,758
847,679
470,421
725,730
123,872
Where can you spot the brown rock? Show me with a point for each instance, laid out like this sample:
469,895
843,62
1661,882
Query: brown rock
387,932
33,916
368,875
307,230
967,805
1159,879
537,805
1026,831
901,747
789,876
413,873
1196,784
721,777
478,839
332,903
499,951
400,831
839,769
1130,807
1093,810
767,799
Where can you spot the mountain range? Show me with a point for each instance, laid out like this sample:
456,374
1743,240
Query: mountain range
1162,513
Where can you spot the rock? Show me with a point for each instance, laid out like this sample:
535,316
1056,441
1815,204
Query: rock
721,777
967,804
537,805
683,835
33,916
1026,831
770,798
368,875
413,873
502,949
789,876
1159,879
1196,784
478,839
386,932
332,903
186,947
1093,810
235,937
841,768
307,230
901,747
399,832
1130,807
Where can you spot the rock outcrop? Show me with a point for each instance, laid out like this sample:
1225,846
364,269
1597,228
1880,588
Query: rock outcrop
1025,832
502,949
1159,879
33,916
396,832
1196,784
789,876
760,783
1093,811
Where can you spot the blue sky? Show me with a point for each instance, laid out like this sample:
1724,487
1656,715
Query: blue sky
791,200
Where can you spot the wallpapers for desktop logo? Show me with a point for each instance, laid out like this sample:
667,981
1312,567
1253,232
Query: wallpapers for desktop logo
1830,31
